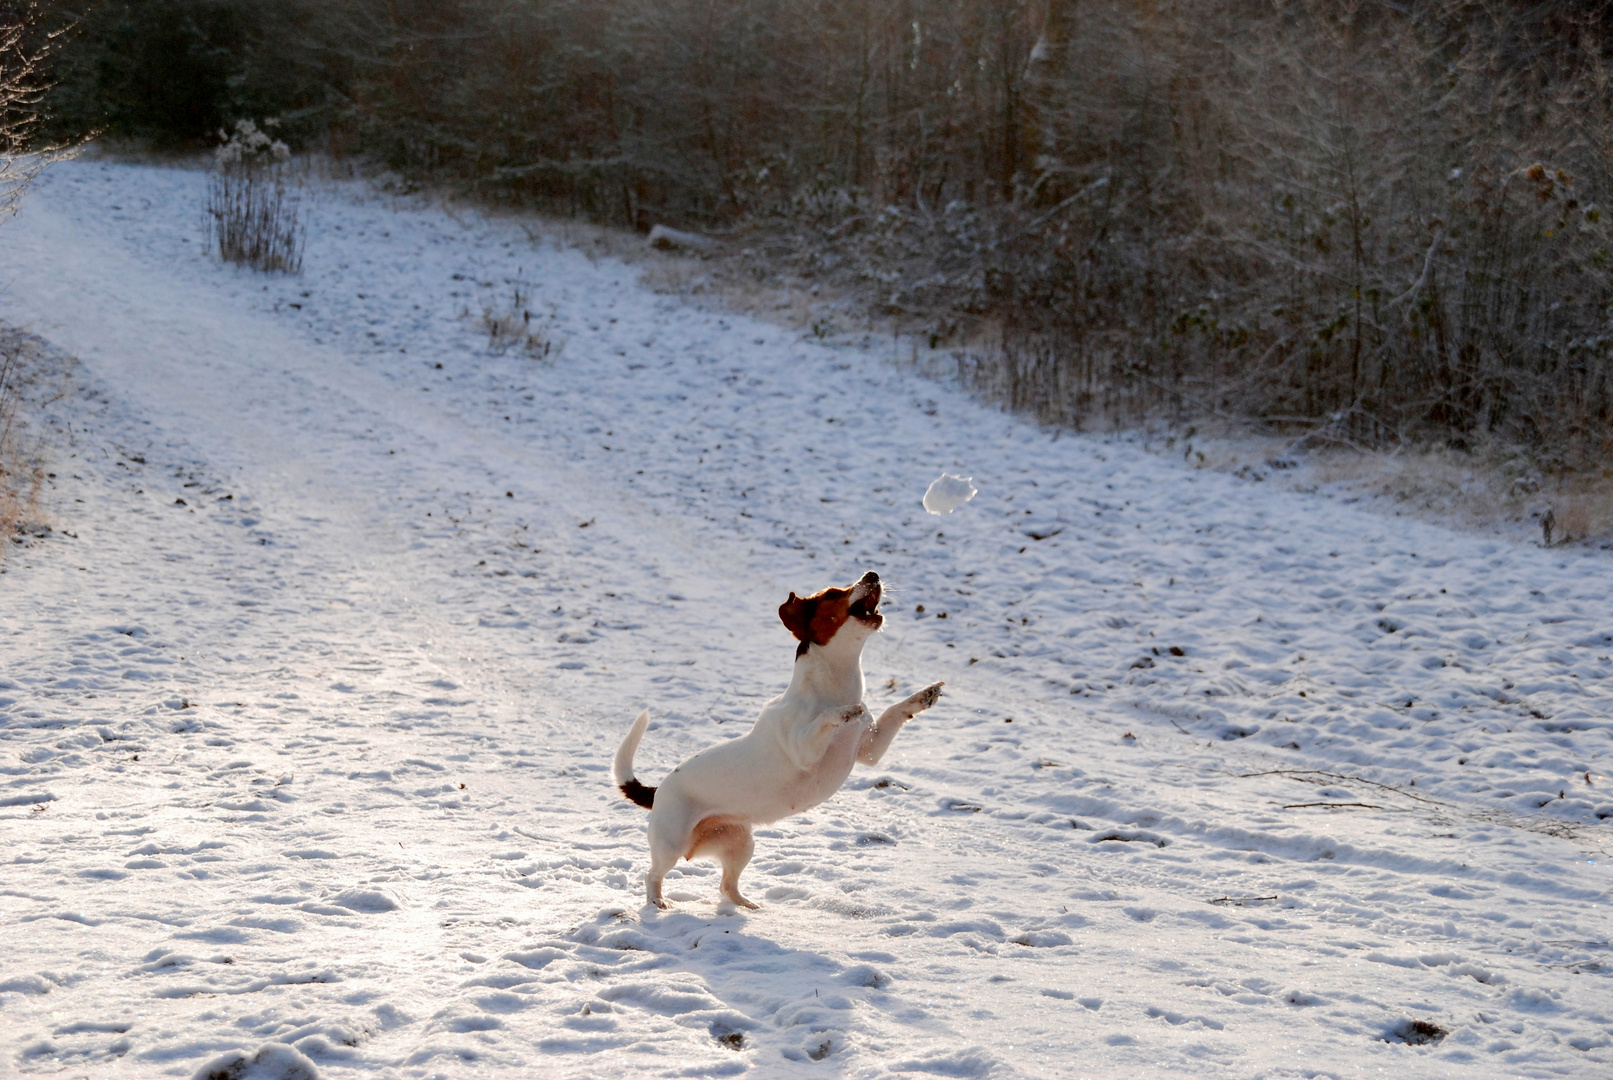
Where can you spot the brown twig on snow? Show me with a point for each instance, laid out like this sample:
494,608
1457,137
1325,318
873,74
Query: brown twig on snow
1331,805
1297,773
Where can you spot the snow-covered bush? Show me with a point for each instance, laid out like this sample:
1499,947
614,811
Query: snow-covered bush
254,201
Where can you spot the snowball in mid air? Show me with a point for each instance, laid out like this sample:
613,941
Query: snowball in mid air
947,493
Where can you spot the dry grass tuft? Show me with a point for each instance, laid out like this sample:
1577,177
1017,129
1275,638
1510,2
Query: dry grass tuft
1490,487
21,476
510,324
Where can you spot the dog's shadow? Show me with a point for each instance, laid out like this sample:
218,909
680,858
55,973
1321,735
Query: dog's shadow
719,976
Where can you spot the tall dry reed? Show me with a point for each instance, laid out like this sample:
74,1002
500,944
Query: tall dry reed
254,203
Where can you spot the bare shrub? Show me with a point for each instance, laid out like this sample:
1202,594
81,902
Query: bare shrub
254,202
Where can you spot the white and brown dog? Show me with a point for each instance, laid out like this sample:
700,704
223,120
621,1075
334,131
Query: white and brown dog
799,752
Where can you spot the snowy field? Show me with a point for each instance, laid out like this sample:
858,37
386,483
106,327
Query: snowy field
307,704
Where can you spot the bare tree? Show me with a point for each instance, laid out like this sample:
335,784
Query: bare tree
24,48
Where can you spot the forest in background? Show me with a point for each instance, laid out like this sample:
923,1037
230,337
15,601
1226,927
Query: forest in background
1360,222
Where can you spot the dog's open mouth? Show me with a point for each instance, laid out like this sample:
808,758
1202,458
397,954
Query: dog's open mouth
866,607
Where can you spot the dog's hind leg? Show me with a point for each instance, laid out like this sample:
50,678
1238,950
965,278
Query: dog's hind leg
661,860
733,847
670,830
736,855
731,844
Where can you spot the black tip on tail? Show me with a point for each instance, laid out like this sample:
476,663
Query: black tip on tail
639,793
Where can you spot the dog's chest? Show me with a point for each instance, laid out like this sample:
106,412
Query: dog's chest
825,778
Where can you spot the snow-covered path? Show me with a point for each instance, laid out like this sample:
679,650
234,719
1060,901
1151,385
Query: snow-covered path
305,734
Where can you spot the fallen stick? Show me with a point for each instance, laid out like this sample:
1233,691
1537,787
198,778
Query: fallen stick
1339,776
1332,805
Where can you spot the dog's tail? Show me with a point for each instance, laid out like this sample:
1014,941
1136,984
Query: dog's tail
622,772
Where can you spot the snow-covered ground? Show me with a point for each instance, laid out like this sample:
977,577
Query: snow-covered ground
307,706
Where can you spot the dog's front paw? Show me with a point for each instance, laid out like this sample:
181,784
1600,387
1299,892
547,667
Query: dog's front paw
853,714
925,698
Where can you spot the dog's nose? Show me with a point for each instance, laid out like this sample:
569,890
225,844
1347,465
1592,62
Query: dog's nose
870,578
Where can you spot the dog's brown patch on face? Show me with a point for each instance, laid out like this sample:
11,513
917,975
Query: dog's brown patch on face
817,618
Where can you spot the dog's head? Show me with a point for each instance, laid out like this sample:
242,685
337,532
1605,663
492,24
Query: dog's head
825,616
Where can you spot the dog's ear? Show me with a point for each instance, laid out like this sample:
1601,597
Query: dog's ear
796,615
